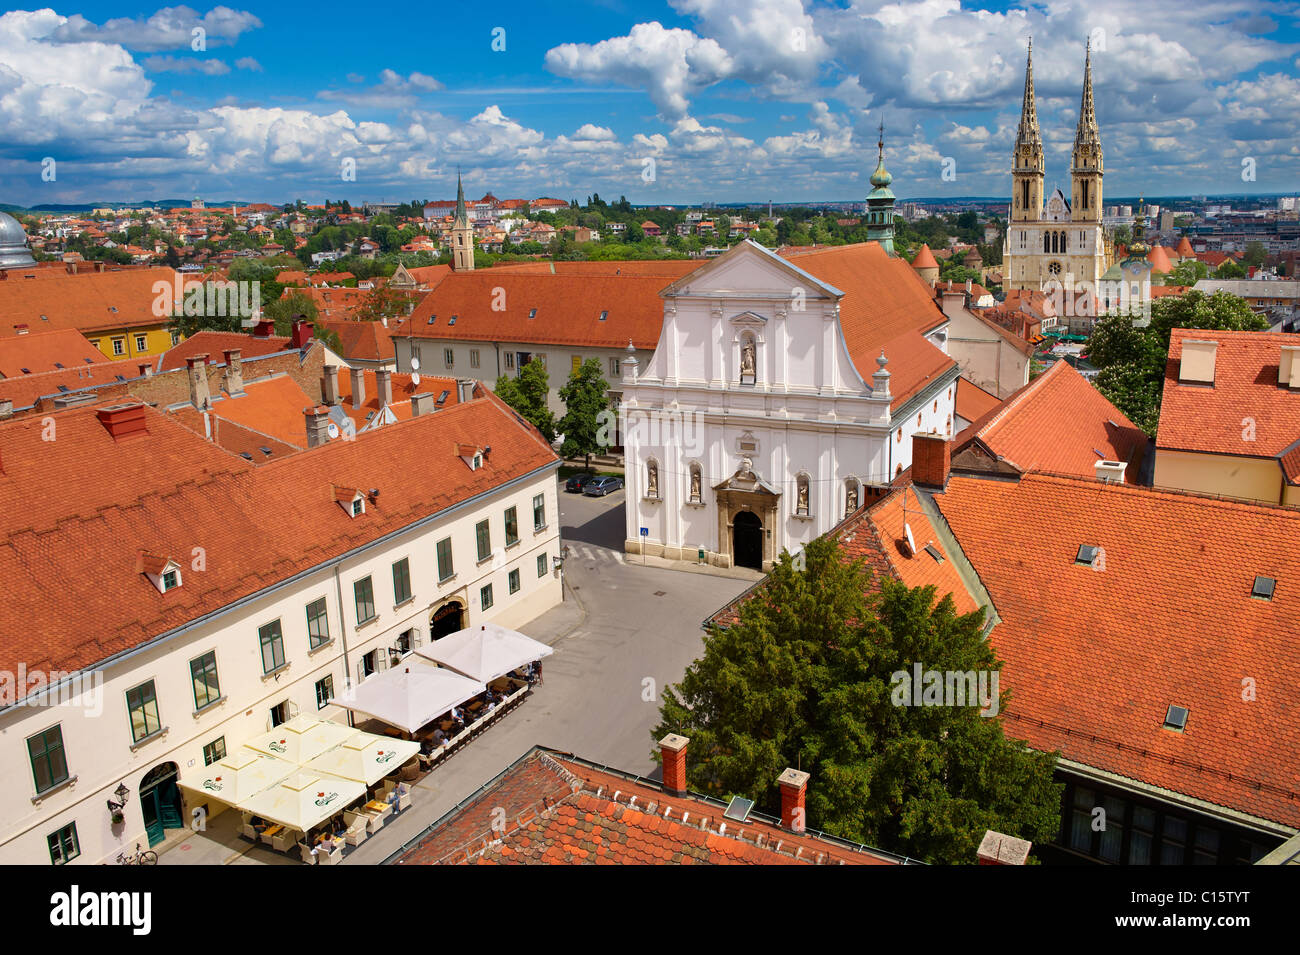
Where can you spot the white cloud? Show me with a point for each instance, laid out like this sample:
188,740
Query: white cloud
185,64
248,63
171,28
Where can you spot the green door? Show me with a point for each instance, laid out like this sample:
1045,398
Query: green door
160,802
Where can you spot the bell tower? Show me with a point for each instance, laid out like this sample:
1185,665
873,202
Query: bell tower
1085,163
1027,168
462,234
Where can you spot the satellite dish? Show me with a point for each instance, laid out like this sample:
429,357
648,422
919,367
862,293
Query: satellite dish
415,363
911,544
415,379
332,430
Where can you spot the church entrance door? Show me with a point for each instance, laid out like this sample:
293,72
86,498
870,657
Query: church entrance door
747,540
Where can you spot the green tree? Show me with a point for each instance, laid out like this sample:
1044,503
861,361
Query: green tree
1188,272
528,394
1254,255
808,677
1229,269
285,309
1133,360
585,396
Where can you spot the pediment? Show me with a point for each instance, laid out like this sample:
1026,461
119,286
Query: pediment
747,270
747,480
748,320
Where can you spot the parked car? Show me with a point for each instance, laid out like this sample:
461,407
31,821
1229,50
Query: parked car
577,482
601,486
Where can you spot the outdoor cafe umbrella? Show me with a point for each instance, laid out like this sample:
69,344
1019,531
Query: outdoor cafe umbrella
305,799
485,652
238,776
410,695
365,757
300,739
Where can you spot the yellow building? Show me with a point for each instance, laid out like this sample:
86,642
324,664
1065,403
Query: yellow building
1230,416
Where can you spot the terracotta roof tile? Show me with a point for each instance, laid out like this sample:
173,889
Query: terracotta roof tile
41,351
972,401
87,301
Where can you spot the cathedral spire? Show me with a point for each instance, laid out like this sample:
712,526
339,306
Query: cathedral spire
1087,131
461,214
880,201
1029,134
462,233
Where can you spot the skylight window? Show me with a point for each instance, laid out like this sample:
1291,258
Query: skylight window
604,315
432,319
442,397
27,371
58,364
245,455
265,450
532,313
64,389
1087,555
935,553
452,320
1263,588
1176,718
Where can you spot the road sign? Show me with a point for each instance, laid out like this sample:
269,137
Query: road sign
645,532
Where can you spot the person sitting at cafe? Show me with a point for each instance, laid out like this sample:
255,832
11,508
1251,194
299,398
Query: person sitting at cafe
327,842
458,715
259,824
439,738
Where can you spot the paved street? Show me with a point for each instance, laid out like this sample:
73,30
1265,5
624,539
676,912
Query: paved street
620,626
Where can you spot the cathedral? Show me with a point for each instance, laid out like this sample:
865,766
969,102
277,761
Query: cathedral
1060,241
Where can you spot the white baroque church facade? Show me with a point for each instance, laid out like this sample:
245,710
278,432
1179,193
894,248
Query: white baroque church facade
783,390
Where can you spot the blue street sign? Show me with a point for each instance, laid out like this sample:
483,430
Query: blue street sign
645,532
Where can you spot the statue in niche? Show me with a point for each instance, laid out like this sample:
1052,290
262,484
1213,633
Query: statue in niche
746,472
747,358
652,480
851,499
695,484
803,496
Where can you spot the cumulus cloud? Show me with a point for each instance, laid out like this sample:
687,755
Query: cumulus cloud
393,91
248,63
171,28
184,64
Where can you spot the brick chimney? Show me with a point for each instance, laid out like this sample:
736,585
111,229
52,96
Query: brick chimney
384,386
318,422
673,750
303,331
329,385
198,371
6,409
930,460
123,420
358,388
997,849
421,404
264,329
234,372
794,784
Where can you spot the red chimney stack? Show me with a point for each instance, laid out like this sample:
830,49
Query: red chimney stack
123,420
673,750
794,784
930,460
302,333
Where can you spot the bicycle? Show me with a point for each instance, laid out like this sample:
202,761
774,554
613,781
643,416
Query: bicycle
147,857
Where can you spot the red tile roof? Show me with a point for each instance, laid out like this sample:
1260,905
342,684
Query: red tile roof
41,351
1058,422
88,301
1159,259
168,490
215,344
973,402
1185,249
363,341
561,810
26,390
1094,657
924,258
1213,419
885,306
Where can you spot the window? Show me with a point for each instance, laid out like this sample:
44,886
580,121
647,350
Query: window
513,578
445,569
142,704
280,713
1173,842
318,624
449,357
473,357
510,361
484,535
1263,588
1176,718
369,663
1142,836
364,592
613,368
176,340
214,751
141,344
119,346
324,690
203,674
271,639
1205,847
358,507
170,580
49,764
541,565
539,512
402,580
512,526
63,845
485,597
1087,555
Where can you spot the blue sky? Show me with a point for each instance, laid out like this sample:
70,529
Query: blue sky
723,100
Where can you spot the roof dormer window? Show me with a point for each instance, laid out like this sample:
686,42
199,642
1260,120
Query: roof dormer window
351,500
1263,588
163,572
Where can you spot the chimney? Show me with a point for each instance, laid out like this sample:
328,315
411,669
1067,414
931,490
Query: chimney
198,370
793,785
421,404
1288,369
997,849
264,328
303,331
329,385
384,386
1197,365
465,389
673,750
358,388
318,422
954,301
234,372
6,409
930,460
1111,472
123,420
146,369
